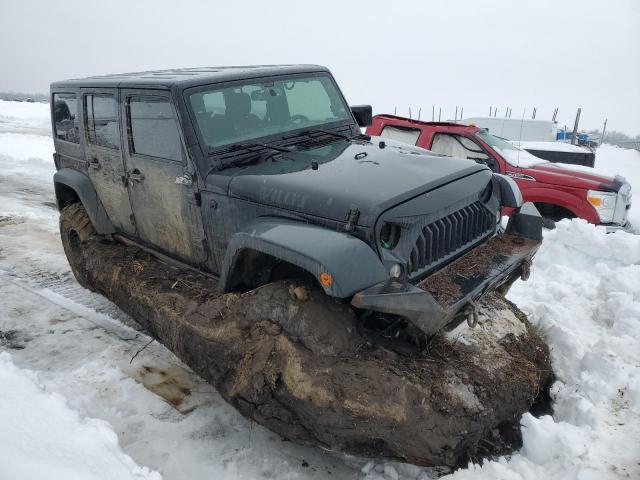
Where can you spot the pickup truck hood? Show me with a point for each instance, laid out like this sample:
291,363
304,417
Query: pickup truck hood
350,174
572,176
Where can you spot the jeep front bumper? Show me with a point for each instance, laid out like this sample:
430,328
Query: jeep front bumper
443,297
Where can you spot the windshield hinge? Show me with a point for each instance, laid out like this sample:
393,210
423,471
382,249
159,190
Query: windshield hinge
352,219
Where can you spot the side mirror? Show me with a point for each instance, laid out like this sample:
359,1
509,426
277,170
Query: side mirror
363,114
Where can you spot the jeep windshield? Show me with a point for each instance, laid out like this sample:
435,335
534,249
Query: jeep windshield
246,112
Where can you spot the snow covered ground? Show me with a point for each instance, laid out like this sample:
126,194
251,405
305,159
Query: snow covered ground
73,406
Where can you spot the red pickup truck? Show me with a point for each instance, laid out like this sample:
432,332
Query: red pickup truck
557,191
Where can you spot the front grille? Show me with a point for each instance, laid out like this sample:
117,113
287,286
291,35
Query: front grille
443,238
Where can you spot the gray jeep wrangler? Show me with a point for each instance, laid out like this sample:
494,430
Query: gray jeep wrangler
254,174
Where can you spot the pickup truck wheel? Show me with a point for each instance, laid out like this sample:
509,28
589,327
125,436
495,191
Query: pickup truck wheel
75,230
548,223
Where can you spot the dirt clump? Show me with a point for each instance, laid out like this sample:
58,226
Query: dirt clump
294,360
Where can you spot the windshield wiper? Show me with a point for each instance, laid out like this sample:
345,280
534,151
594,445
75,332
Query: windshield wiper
243,146
308,133
257,155
328,132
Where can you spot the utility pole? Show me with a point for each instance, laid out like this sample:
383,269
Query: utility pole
604,129
574,136
461,110
489,110
455,118
409,113
433,113
439,113
419,112
533,116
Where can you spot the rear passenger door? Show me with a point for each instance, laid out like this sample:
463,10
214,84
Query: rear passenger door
162,187
103,151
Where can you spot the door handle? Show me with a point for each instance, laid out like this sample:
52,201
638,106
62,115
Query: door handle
94,163
135,176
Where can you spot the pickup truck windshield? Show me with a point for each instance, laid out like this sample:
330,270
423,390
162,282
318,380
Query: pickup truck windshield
513,155
242,112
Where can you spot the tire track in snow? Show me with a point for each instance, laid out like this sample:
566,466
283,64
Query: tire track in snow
63,291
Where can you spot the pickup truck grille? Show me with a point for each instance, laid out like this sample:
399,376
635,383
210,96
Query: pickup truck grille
450,235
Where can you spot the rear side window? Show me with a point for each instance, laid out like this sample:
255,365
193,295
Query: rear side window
153,128
404,135
102,121
65,118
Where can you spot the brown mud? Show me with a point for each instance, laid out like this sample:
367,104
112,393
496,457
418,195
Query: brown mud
298,365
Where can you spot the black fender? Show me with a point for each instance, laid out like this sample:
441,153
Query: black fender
67,178
352,264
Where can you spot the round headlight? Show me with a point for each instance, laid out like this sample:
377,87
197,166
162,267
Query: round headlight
395,271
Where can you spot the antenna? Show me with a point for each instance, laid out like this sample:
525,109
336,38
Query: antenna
520,135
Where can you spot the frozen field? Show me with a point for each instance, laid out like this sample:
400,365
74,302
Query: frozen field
73,406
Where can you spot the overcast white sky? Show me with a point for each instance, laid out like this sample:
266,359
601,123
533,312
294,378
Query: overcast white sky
548,53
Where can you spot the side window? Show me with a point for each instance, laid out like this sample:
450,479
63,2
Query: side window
65,118
399,134
462,147
102,121
153,128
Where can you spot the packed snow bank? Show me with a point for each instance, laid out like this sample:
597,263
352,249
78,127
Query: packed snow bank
25,117
42,438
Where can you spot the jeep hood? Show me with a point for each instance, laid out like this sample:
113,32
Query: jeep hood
571,175
350,174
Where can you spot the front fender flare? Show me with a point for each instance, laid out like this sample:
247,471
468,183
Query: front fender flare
352,263
81,184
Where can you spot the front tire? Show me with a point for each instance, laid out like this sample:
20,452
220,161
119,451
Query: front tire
75,230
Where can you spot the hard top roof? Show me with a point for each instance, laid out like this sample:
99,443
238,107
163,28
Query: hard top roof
186,77
421,123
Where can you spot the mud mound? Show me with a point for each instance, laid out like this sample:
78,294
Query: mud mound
295,362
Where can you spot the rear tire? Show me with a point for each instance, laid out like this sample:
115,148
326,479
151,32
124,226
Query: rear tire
75,230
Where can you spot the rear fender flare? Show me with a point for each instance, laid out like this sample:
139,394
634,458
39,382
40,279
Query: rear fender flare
352,264
83,188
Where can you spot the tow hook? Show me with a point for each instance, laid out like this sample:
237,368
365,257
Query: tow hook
471,312
525,271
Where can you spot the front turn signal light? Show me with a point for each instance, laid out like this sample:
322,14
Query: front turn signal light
595,201
326,279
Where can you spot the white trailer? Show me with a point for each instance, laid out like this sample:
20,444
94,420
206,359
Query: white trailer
517,129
